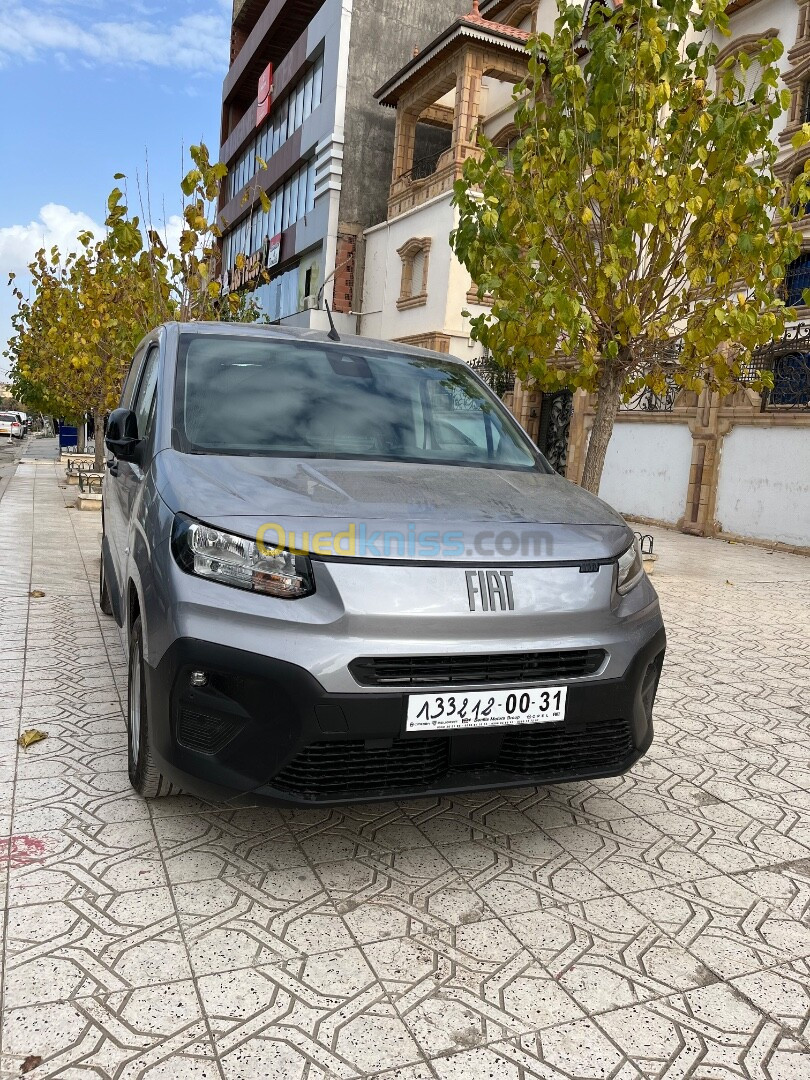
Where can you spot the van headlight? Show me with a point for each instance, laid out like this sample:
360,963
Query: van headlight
233,560
631,569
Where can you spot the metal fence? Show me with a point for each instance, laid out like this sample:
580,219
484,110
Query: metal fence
788,361
497,378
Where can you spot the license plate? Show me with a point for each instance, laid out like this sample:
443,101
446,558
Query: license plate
492,708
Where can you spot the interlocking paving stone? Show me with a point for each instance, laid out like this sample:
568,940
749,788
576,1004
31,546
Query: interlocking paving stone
654,926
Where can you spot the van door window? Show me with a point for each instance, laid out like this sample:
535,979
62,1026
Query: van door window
131,381
144,407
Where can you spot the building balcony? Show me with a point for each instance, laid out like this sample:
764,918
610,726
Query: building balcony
428,178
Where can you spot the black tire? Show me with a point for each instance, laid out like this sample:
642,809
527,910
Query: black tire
104,601
144,775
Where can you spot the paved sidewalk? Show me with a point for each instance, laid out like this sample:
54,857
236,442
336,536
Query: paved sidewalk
652,926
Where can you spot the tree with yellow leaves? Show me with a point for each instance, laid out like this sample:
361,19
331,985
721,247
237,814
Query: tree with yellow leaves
74,339
639,204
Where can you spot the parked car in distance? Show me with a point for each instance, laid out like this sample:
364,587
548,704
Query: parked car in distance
345,573
10,425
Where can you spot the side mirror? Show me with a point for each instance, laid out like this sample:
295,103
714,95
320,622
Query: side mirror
122,434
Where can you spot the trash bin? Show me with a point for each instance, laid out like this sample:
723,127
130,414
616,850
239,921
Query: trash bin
68,436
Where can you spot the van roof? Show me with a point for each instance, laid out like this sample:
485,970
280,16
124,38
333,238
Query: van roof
296,333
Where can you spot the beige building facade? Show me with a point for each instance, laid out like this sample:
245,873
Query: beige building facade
736,467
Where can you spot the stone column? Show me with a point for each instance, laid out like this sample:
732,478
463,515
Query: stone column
404,142
468,102
707,433
581,422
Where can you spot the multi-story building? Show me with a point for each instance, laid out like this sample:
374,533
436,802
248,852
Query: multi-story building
300,122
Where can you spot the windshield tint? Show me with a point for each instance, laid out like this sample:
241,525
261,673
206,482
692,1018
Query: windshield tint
239,395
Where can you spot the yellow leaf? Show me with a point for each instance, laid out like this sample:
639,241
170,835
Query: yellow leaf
31,736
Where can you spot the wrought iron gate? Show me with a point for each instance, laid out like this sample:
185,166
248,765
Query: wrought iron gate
555,426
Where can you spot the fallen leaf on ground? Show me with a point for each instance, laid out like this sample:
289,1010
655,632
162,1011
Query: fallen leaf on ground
729,582
30,1063
28,738
36,593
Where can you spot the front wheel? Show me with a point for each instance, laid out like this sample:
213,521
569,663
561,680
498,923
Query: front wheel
144,775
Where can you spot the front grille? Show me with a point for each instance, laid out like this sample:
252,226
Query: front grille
477,669
353,768
207,734
546,752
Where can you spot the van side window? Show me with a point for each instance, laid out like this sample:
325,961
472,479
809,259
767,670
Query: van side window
144,406
128,393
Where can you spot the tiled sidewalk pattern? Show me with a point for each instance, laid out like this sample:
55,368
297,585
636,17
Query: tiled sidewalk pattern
652,926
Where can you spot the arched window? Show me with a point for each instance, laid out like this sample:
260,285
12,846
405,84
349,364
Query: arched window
415,255
797,279
505,141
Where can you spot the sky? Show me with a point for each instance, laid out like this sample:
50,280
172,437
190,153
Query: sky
89,88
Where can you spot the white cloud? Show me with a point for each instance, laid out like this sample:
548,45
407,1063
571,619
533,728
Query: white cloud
197,42
56,225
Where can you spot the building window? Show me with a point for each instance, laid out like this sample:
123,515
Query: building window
285,118
797,279
288,204
415,257
506,140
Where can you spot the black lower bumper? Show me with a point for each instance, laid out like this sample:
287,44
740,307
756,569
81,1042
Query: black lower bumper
267,728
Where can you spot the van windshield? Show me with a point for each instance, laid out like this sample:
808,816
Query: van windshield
241,395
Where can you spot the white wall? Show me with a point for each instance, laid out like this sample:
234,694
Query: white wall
647,470
447,287
383,272
764,484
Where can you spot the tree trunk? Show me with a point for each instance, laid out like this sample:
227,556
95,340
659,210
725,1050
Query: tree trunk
98,436
80,440
607,405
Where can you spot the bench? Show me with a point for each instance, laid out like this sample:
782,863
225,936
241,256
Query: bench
78,466
89,490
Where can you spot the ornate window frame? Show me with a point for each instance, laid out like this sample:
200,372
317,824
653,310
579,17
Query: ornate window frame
748,43
413,294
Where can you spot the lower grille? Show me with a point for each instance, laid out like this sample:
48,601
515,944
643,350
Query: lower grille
349,768
476,669
206,734
551,751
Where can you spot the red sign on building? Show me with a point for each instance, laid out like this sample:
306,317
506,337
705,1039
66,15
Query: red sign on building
273,251
265,95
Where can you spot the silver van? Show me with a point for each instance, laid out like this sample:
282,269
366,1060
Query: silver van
345,573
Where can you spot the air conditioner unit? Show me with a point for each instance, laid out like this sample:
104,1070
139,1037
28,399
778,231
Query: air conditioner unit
310,303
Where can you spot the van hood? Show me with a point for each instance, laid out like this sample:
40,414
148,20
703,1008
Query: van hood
241,494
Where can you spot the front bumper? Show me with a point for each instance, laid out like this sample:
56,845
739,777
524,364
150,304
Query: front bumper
267,728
